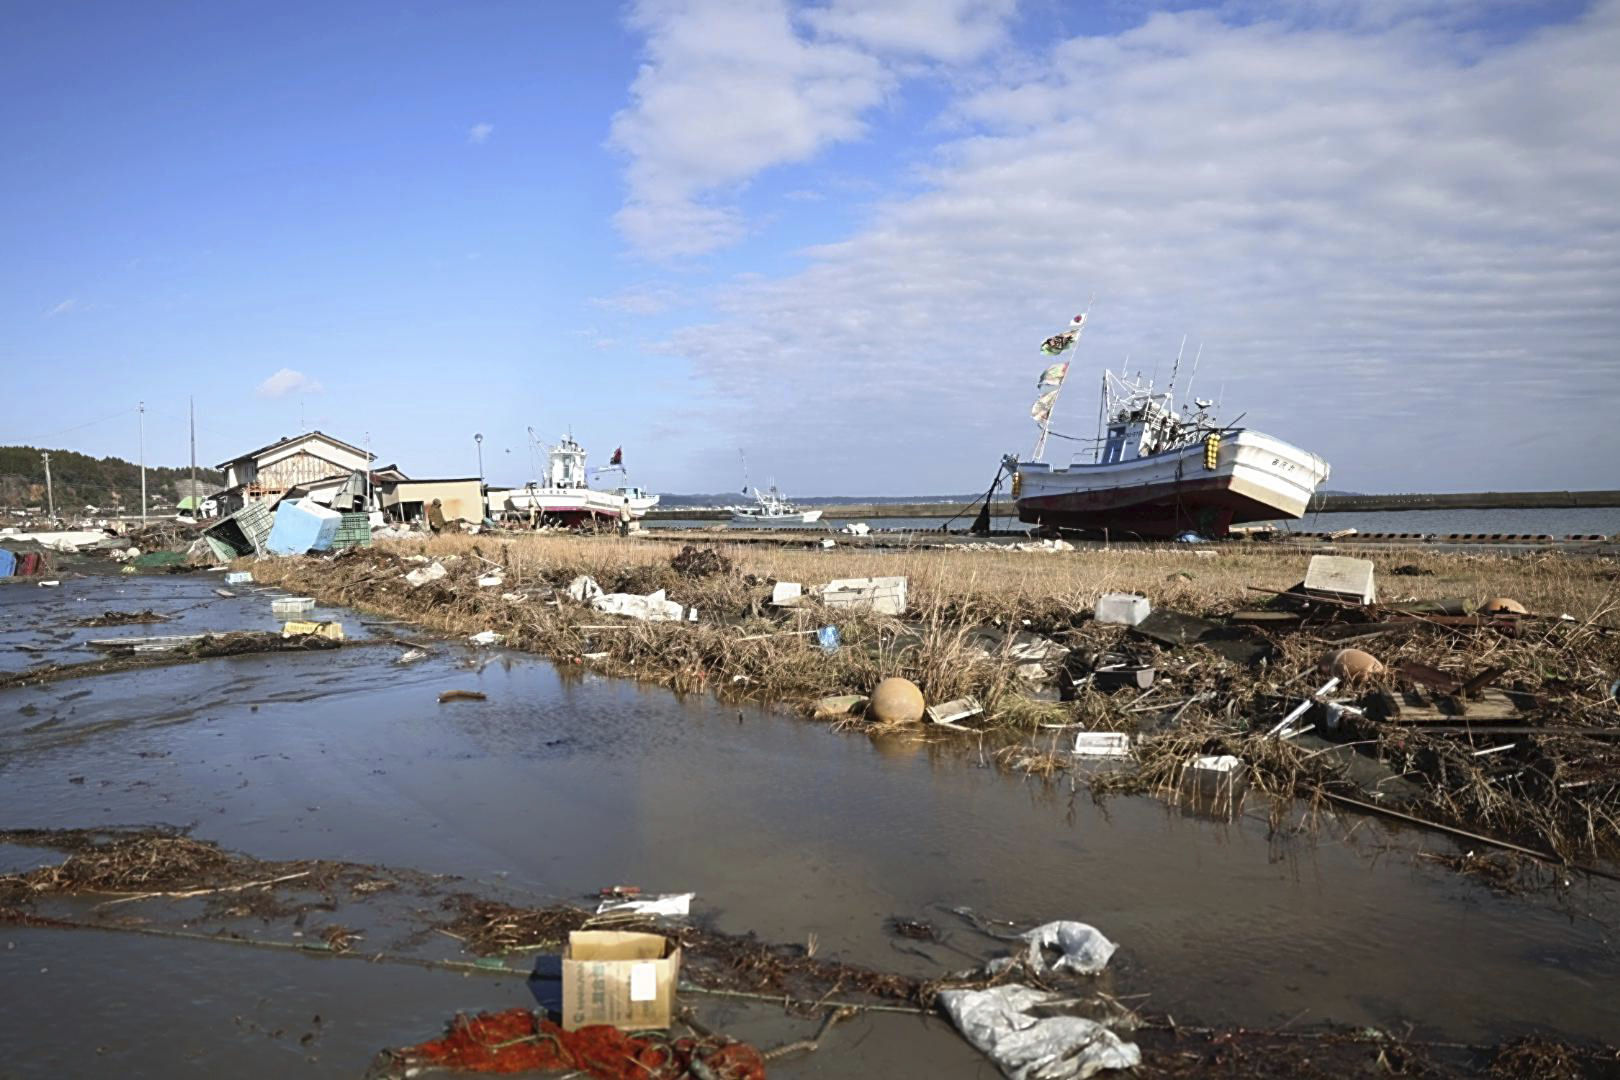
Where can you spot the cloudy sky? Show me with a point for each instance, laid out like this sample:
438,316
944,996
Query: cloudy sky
831,234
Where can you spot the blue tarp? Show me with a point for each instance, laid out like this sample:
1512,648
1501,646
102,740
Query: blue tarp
301,527
8,563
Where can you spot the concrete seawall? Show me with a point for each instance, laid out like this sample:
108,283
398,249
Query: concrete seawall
1325,504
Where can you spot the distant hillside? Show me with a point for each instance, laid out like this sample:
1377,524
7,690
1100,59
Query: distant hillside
80,480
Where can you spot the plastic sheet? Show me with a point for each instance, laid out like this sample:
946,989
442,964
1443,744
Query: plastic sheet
1081,949
1003,1024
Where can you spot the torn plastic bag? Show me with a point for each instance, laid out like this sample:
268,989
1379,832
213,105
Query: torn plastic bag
1001,1024
1083,949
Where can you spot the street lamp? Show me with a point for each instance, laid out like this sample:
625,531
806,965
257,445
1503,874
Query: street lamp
479,439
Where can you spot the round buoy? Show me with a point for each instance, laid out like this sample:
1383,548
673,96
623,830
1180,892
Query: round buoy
896,701
1503,605
1351,664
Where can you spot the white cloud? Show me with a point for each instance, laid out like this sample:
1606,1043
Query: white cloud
952,30
66,306
480,133
644,299
1399,246
287,381
729,88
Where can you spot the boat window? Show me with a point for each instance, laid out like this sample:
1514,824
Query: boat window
1116,444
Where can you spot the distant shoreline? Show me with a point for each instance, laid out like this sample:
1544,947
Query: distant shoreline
1322,504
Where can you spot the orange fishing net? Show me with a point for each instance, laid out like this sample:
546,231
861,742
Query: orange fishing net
517,1041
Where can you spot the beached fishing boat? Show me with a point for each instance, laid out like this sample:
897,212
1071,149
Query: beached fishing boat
771,510
564,496
1155,471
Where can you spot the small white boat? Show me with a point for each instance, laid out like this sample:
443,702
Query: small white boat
771,510
1154,471
641,501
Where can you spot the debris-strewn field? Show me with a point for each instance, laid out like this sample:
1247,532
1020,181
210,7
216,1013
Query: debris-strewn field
1501,724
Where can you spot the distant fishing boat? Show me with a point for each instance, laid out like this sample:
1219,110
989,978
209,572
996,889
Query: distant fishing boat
772,510
1154,471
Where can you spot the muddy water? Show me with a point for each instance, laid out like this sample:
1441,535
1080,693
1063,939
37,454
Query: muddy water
562,782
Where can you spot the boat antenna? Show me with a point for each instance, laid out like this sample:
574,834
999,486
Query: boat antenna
1196,357
1176,369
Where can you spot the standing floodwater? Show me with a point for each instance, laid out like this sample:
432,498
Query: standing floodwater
558,784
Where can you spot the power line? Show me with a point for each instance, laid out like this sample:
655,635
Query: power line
79,427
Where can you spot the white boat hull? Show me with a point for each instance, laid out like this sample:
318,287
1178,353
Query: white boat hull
1256,478
571,506
743,520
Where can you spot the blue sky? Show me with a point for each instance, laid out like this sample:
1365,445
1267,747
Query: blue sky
830,233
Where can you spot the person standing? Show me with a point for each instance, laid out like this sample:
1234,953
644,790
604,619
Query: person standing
624,517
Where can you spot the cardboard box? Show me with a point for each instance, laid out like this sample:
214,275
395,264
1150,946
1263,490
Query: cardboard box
622,979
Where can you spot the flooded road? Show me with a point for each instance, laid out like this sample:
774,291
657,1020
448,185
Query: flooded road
562,782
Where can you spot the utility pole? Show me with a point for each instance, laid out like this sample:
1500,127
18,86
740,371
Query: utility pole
140,407
196,499
50,496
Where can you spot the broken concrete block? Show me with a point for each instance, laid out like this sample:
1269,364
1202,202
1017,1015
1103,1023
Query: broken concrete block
839,705
884,595
1122,609
1341,577
952,712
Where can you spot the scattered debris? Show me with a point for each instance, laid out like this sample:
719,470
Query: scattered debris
1341,578
461,695
695,562
411,656
668,904
1121,609
654,607
584,589
292,605
786,594
954,712
1013,1026
123,618
1173,628
884,595
1503,605
433,571
239,577
332,631
486,637
1102,744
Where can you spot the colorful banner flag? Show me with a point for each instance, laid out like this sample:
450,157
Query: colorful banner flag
1041,411
1054,375
618,457
1058,343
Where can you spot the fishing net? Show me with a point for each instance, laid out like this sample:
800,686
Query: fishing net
517,1041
